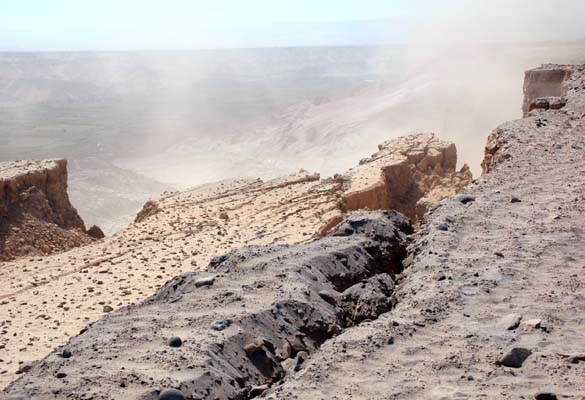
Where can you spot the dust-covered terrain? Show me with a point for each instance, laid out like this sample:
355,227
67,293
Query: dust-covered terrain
484,301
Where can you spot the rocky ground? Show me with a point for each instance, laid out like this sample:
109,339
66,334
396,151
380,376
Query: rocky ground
46,300
488,305
252,318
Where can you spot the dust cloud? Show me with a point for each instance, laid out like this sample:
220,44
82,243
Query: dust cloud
469,63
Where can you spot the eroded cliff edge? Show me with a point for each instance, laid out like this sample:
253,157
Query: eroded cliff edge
181,231
36,217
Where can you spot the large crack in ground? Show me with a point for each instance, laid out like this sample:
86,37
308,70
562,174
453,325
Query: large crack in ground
250,320
346,280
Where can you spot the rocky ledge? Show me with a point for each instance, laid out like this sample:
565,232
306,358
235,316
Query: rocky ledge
490,303
36,217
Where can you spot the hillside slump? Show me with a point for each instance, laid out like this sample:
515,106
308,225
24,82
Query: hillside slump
36,217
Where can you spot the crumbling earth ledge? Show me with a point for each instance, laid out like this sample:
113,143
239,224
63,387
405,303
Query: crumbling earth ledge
36,217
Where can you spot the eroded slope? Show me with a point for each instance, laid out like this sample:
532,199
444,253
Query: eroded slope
254,314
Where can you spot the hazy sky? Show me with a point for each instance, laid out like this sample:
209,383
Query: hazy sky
148,24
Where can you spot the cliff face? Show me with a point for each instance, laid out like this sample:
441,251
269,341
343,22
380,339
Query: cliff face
410,175
36,217
546,87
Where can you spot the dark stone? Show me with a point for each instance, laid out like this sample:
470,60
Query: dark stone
545,396
377,228
440,276
95,232
515,357
257,391
24,368
209,281
171,394
302,356
443,227
515,200
61,375
220,324
465,199
510,322
328,297
175,341
66,353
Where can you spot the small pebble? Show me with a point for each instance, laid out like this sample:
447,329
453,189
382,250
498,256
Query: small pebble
171,394
66,353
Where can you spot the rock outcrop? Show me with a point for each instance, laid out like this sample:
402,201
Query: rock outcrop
487,307
546,87
36,217
479,303
411,175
